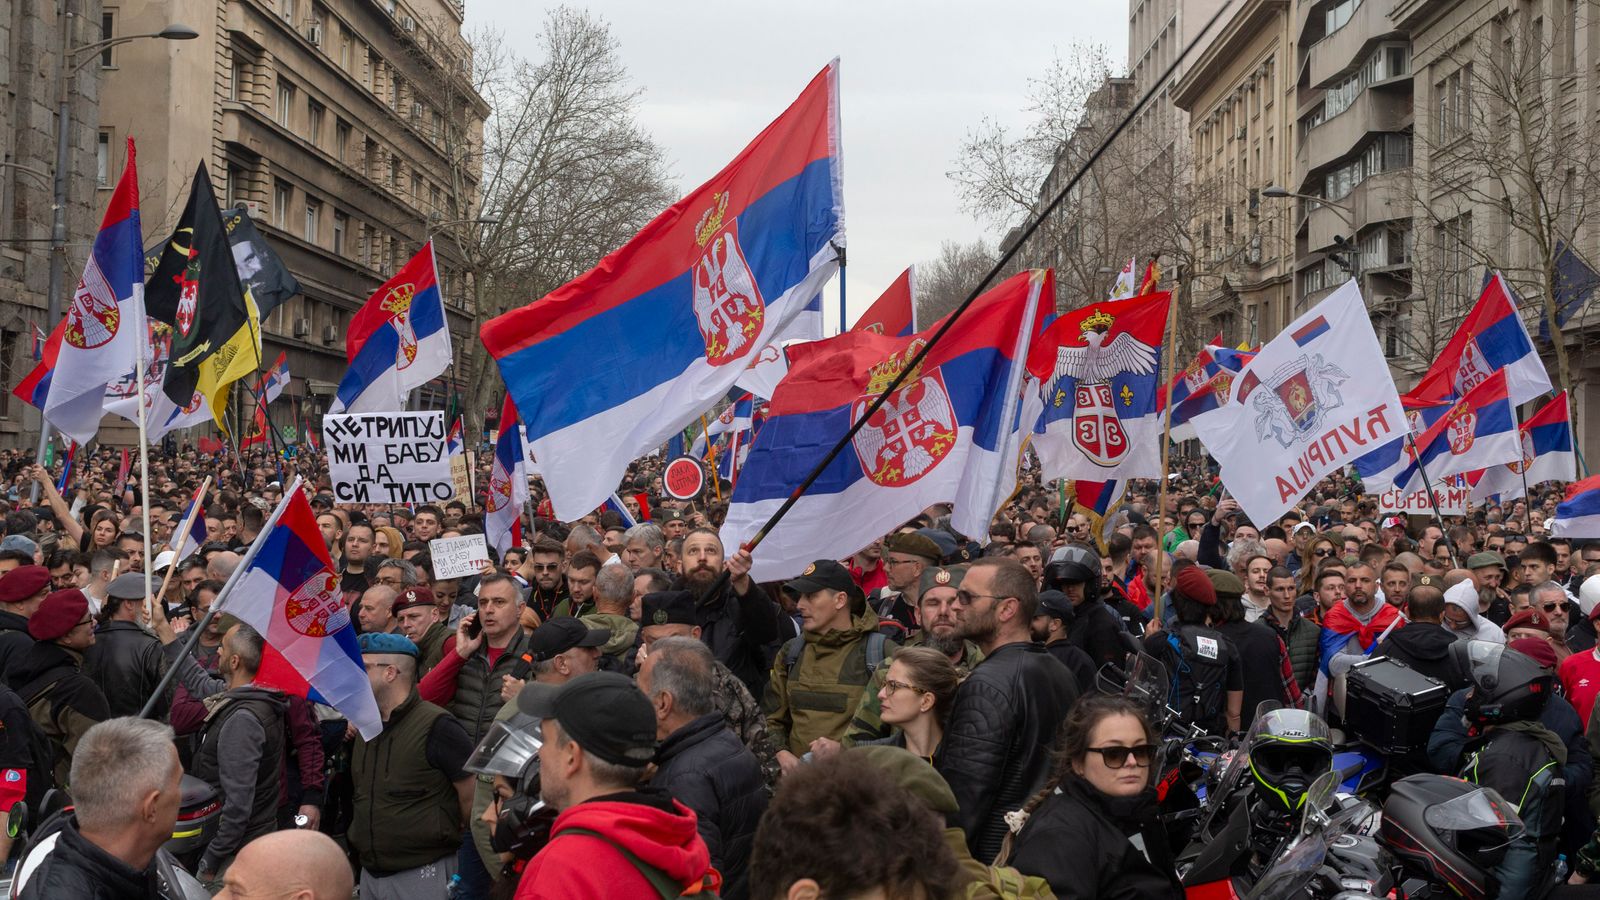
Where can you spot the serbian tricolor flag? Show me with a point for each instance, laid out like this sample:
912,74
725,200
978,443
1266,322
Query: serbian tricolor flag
397,342
894,312
1578,516
104,328
1475,432
1096,496
1547,455
677,314
290,594
272,382
952,431
183,541
1490,338
507,491
614,503
453,441
1097,372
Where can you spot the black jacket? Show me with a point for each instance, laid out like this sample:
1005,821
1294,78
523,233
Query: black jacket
707,768
127,662
14,642
1261,665
1083,669
1425,646
1079,841
742,632
997,745
1098,630
70,866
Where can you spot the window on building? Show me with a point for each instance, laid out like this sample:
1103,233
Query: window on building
102,159
237,78
235,185
1454,240
394,173
433,197
315,113
282,193
416,188
341,224
1569,37
344,51
341,139
286,94
286,10
1453,101
108,30
1338,15
8,369
313,217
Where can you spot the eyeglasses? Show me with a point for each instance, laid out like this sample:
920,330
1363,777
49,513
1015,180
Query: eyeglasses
965,598
890,687
1552,607
1322,552
1117,757
546,567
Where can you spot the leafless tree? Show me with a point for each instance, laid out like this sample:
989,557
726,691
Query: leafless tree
562,168
1508,166
946,280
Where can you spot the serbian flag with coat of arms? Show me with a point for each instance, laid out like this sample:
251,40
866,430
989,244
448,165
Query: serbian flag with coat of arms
397,342
1097,373
1316,397
675,316
507,491
1547,455
1490,338
290,594
951,432
1475,432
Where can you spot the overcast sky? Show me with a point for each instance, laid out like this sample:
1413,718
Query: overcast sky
914,78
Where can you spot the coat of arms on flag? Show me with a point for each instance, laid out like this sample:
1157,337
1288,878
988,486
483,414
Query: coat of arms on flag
727,303
1088,369
1299,395
914,429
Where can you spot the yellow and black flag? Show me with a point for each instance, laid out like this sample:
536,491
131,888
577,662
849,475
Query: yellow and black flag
216,331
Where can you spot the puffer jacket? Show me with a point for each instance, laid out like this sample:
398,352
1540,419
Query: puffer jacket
1301,639
585,855
127,662
1081,842
63,863
707,768
998,742
477,686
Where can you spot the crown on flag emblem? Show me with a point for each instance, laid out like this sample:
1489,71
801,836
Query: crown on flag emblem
728,307
398,304
1099,320
91,320
315,608
914,429
880,376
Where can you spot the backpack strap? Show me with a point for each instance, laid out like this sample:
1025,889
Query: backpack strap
792,652
663,884
876,642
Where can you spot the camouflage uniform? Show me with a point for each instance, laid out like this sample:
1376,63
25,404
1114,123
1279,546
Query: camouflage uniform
745,718
867,724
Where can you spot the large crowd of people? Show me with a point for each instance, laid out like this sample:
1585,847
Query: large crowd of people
619,710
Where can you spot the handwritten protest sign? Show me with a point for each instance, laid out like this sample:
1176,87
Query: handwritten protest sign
388,457
458,557
1452,494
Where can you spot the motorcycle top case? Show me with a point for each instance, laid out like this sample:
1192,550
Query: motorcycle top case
1391,706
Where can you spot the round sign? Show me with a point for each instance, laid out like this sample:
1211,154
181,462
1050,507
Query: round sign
684,478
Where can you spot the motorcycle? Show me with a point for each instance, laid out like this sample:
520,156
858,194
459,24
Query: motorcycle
1333,854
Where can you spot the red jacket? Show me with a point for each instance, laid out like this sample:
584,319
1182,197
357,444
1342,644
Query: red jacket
657,829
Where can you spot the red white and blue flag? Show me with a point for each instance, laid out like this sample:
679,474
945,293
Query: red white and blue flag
453,441
1475,432
952,431
102,333
507,491
676,315
1490,338
183,541
895,312
272,382
615,504
1547,455
397,342
1127,283
1578,516
290,594
1204,385
1097,374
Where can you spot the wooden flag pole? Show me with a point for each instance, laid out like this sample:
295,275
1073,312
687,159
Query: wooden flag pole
187,524
1166,445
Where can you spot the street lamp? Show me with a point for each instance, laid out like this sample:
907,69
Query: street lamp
1346,256
65,69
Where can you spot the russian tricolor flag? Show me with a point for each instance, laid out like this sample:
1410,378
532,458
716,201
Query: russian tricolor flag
1491,338
290,594
398,341
1547,455
952,431
1477,431
1578,516
676,315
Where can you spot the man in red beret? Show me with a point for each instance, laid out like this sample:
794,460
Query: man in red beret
64,702
21,591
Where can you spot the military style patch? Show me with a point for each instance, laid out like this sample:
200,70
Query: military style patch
942,577
811,569
660,617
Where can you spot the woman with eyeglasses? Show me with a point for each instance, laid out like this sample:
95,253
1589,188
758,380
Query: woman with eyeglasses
1083,832
916,698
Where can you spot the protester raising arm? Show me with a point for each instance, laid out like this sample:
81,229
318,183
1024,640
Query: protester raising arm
65,520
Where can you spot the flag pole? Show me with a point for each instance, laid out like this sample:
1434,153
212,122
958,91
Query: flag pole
1033,225
1427,488
197,628
144,457
1522,470
842,314
188,523
1166,447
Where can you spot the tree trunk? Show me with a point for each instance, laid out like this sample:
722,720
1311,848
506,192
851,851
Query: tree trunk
477,376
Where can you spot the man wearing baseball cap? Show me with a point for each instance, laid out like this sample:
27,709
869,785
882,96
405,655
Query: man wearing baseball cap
817,677
62,701
612,838
126,659
21,591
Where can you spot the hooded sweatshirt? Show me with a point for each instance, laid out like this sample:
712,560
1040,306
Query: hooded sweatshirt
656,829
1425,646
1465,596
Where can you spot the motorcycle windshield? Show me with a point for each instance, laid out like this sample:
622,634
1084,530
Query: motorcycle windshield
1482,819
506,748
1147,682
1297,865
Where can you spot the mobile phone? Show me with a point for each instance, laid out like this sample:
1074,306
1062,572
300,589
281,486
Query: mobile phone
474,627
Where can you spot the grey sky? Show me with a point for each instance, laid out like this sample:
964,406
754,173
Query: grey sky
914,77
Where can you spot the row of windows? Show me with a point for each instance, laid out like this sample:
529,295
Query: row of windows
1386,62
1384,154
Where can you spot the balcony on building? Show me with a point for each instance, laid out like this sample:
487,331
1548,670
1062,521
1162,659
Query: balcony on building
1342,51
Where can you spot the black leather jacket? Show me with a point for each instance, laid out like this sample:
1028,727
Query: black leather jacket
1080,841
63,863
705,766
127,662
997,745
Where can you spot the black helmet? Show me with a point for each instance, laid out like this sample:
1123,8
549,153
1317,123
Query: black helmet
1453,830
1074,564
511,749
1507,686
1288,749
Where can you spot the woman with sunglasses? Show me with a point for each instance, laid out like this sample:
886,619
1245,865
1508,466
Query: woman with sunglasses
1082,832
916,698
1321,550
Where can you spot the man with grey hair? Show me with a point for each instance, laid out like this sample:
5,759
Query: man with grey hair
613,598
643,546
221,565
1551,599
701,763
398,574
125,792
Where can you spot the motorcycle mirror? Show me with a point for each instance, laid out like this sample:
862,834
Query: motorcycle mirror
17,820
1315,815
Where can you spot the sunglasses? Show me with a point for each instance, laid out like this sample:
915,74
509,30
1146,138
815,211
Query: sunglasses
1117,757
965,598
1552,607
1322,552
